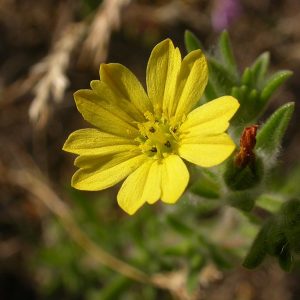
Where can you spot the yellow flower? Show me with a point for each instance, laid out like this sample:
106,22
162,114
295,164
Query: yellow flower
144,137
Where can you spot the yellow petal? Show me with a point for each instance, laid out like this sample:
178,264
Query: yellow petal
111,96
98,173
91,141
207,151
210,118
154,182
175,178
104,116
141,186
124,83
162,70
192,80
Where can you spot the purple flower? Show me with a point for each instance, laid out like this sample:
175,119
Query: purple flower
224,13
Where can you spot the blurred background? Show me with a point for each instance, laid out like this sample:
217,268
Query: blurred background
48,231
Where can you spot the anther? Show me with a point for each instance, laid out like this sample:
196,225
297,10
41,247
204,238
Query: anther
168,144
153,149
152,129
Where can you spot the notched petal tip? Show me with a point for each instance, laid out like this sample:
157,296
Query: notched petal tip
94,84
76,183
66,146
70,141
110,70
81,95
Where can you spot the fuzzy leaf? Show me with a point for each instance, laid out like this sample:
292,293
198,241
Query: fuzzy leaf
227,54
276,237
221,76
258,251
260,67
247,77
191,41
285,258
273,84
178,226
270,135
210,91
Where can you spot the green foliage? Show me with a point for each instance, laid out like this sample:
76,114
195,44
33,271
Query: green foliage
227,56
191,41
252,185
270,135
259,68
279,237
258,251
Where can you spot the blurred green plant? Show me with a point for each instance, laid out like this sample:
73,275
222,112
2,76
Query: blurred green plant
254,88
225,209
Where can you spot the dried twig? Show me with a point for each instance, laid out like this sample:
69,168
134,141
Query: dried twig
37,186
107,19
49,74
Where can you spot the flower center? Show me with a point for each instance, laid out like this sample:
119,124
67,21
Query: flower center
157,138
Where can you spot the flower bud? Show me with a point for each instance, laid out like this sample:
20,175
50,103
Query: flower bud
245,170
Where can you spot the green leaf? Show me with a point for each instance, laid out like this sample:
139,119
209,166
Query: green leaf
235,92
253,96
227,54
285,258
258,251
276,237
293,237
179,226
272,85
221,77
191,41
260,67
270,135
210,91
247,77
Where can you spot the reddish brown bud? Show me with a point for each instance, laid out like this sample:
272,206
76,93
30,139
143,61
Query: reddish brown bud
247,144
